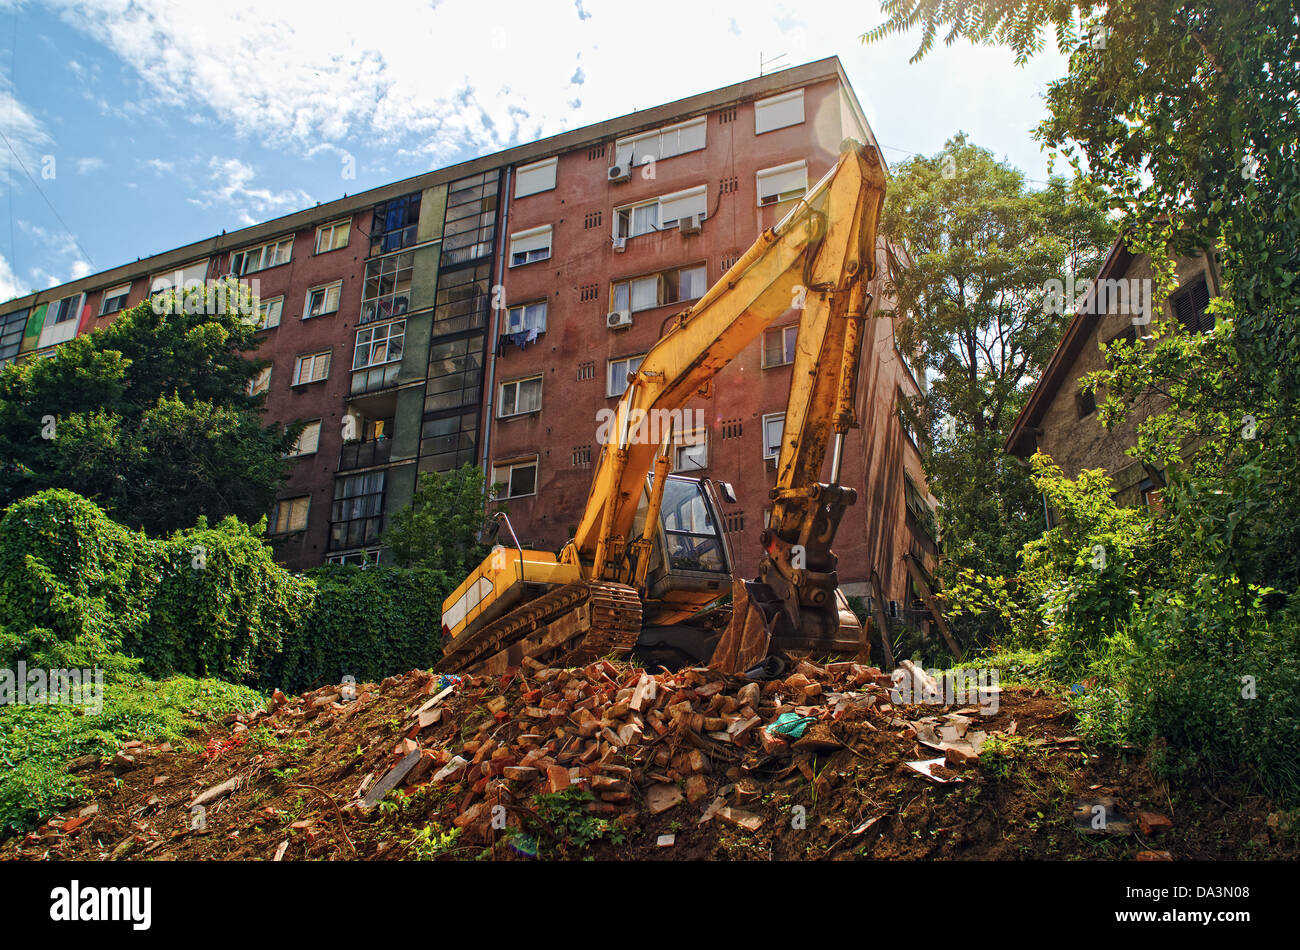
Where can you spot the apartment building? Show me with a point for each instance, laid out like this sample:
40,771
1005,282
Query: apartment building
487,313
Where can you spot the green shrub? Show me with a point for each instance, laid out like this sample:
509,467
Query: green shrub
36,741
365,622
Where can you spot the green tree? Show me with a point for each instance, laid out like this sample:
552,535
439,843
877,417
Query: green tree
1185,115
977,248
151,417
438,529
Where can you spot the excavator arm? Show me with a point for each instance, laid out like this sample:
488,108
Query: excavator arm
591,598
817,261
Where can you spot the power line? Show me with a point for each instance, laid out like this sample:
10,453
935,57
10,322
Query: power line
54,211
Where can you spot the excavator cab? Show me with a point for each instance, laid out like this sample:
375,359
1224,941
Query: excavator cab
691,566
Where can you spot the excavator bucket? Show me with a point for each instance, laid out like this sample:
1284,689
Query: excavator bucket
755,613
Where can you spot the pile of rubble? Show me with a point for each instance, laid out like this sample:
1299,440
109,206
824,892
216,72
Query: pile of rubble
633,738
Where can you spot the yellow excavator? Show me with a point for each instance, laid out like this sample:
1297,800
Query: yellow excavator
649,566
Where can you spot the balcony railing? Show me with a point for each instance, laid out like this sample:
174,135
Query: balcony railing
365,454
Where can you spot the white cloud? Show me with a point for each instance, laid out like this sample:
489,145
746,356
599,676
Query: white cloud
87,165
9,285
26,137
435,80
159,166
232,186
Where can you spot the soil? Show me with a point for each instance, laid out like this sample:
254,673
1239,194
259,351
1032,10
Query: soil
300,767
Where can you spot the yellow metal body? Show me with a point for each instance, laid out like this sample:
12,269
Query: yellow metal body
816,261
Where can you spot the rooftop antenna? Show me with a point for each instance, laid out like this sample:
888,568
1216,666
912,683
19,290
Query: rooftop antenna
763,64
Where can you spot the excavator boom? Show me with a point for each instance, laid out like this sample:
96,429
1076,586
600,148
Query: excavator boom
816,261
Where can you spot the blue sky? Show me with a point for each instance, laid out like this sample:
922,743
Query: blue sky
147,124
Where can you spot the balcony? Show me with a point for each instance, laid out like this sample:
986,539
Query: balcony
365,454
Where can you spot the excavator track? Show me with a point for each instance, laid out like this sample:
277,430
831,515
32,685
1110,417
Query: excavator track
569,626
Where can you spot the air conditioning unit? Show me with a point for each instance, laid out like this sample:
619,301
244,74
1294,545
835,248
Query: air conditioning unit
619,173
620,245
618,319
689,224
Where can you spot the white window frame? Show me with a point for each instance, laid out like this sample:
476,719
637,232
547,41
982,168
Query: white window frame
626,362
308,442
784,331
629,302
261,382
532,244
628,212
54,330
193,273
685,443
514,385
389,337
313,360
768,451
535,178
114,293
264,309
787,174
333,229
268,255
507,468
661,143
292,504
526,316
336,286
778,112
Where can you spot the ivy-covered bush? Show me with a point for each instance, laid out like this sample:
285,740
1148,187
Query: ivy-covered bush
73,583
367,623
79,590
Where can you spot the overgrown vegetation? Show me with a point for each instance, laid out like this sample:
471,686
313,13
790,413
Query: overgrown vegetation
1179,632
79,590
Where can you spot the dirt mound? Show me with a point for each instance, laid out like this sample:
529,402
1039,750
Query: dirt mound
611,761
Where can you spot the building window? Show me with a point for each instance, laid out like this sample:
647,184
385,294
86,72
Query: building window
778,345
260,258
114,300
531,245
520,396
661,143
773,426
332,237
291,515
322,300
261,382
455,374
269,313
191,275
308,440
656,290
470,229
619,371
1085,402
587,369
64,310
782,183
312,368
448,442
517,478
539,176
691,451
778,112
378,356
660,214
357,516
12,327
395,224
1189,305
463,300
526,318
387,290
